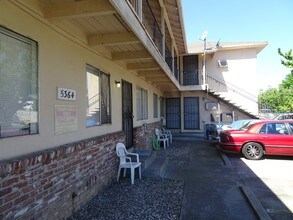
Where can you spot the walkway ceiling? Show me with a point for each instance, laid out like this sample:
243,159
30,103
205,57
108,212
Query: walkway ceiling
97,25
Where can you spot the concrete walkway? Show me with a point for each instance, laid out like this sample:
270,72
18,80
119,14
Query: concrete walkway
212,189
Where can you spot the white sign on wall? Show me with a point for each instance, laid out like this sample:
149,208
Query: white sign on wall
65,119
66,94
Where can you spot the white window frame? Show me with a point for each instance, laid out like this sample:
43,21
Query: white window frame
141,103
19,98
98,100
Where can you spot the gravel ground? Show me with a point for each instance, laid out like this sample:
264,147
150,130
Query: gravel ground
178,155
146,199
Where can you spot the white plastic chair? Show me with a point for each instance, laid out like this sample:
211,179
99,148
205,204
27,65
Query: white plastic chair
126,162
162,138
168,134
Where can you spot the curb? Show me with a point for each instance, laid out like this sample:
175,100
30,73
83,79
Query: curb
254,202
226,160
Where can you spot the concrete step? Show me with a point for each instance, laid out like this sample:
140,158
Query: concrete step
188,136
146,158
156,168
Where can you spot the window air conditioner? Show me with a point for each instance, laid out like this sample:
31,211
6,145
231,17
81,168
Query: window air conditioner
222,63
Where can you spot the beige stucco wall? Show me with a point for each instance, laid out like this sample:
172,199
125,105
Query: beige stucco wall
240,74
62,63
205,115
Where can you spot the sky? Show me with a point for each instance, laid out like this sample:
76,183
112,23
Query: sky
245,21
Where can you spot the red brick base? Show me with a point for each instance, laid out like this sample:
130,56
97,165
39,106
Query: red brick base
52,184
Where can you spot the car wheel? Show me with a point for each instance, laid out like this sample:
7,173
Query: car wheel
252,151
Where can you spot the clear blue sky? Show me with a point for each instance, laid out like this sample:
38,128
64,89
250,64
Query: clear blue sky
242,21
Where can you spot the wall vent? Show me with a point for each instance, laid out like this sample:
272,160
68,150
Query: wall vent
222,63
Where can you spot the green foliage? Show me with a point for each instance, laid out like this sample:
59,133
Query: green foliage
288,62
155,143
287,83
281,99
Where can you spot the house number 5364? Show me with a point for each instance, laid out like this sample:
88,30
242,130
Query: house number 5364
66,94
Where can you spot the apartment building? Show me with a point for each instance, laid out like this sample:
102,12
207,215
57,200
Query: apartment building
79,76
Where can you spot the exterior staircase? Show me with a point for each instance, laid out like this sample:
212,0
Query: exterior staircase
228,101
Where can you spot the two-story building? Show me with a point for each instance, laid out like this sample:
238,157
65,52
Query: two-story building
76,77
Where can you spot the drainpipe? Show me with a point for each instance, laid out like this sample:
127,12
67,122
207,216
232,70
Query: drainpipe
219,114
204,64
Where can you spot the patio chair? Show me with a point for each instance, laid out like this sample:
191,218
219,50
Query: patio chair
126,162
162,138
168,133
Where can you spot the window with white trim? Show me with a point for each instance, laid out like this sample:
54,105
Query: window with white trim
141,103
18,84
98,97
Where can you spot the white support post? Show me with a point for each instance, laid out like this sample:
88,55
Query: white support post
172,54
204,64
139,9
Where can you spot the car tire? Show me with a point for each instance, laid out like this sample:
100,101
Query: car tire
252,151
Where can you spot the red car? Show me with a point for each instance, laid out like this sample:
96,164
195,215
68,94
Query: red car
273,137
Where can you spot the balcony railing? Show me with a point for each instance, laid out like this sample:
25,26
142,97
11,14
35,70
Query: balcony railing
134,4
190,77
176,71
168,58
152,26
150,23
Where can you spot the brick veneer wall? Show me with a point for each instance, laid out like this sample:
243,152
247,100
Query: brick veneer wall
43,185
142,139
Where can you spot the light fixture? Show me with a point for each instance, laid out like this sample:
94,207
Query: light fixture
118,84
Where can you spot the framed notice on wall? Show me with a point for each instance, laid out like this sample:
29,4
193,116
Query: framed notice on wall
211,106
65,119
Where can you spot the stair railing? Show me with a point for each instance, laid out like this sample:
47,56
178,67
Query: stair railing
230,86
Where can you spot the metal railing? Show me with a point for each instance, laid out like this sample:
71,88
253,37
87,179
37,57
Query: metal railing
153,29
176,71
212,80
168,58
190,77
94,104
134,4
151,25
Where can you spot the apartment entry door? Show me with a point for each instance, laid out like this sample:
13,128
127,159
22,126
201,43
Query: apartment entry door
127,113
191,113
173,113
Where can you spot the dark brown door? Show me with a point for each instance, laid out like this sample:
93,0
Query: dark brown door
127,113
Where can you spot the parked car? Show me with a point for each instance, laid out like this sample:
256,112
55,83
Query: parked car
284,116
236,125
273,137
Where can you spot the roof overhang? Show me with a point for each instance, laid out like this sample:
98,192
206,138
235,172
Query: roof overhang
212,47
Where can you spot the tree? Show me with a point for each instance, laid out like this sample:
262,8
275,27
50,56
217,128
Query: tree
281,99
288,57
